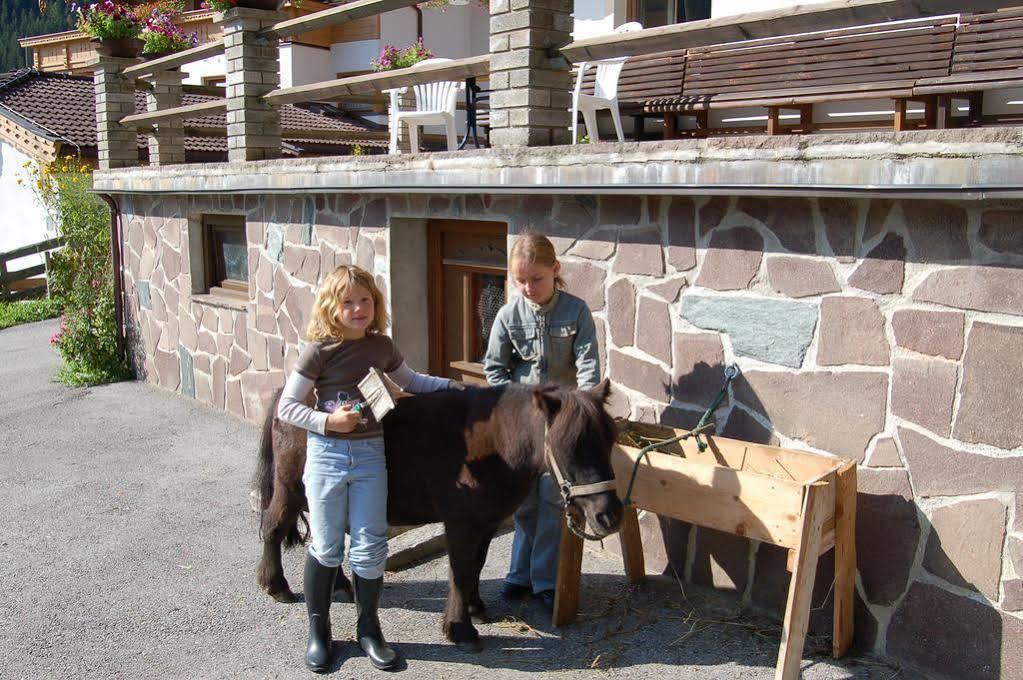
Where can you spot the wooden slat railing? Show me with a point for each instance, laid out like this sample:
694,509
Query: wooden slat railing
334,16
767,24
177,59
456,69
20,283
150,118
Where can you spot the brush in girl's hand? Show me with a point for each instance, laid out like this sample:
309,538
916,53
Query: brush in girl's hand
379,392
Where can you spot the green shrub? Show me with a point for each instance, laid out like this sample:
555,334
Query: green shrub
27,311
81,275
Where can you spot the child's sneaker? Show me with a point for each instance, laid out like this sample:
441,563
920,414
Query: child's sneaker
546,598
515,592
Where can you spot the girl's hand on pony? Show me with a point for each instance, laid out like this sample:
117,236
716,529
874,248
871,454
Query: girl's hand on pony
343,420
456,385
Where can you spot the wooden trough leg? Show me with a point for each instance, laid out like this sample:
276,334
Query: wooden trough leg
845,559
570,565
819,498
632,545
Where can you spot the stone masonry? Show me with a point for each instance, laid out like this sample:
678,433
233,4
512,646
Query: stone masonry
167,141
530,87
253,69
115,99
885,331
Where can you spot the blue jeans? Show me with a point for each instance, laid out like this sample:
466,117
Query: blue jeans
346,487
534,559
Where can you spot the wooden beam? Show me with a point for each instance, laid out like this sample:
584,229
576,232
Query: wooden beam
211,49
632,545
566,591
845,559
819,497
369,83
766,24
33,249
149,118
332,17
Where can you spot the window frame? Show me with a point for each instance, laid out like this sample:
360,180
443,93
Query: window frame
633,12
214,266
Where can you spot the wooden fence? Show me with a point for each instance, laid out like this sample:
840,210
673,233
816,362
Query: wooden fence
27,282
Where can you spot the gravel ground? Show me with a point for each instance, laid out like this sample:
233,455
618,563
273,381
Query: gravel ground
129,550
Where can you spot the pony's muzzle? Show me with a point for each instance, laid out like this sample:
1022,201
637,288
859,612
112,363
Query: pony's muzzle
601,512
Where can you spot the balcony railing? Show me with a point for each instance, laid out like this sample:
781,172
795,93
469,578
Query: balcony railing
778,61
71,51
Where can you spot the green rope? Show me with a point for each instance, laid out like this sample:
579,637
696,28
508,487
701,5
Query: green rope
731,373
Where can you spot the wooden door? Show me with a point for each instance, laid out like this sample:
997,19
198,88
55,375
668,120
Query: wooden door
467,275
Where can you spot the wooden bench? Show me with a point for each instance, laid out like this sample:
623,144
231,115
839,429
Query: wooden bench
644,78
796,72
987,56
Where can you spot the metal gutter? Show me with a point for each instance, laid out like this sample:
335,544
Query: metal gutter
921,192
115,252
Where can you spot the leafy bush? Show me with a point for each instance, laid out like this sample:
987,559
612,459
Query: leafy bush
81,275
27,311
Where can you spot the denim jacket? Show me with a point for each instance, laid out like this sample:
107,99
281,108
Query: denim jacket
532,344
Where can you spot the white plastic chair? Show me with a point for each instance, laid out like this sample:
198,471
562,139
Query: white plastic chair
605,92
435,105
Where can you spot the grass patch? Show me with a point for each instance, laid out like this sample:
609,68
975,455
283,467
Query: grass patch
27,311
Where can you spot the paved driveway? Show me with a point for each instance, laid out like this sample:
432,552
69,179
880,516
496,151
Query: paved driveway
128,550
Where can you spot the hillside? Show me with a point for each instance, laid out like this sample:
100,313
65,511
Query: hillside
20,18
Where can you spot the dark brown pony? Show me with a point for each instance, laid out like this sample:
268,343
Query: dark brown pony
465,458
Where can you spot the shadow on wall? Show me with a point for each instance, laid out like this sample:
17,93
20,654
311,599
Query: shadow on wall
940,620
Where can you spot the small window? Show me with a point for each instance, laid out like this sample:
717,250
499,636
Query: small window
226,255
215,81
652,13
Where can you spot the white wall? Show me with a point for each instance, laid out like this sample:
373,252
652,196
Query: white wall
596,17
22,220
724,8
302,65
213,66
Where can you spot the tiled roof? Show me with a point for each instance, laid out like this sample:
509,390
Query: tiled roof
62,107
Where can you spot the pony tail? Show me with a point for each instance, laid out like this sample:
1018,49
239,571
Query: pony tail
264,478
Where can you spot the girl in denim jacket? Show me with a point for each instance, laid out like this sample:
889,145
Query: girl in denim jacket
543,335
345,472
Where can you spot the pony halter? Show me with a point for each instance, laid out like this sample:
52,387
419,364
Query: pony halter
571,491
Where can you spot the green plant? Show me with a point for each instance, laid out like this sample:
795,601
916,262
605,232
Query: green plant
162,36
27,311
106,20
219,5
81,275
392,57
357,150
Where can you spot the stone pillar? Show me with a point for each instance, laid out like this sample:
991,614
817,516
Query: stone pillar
253,69
117,146
531,83
167,142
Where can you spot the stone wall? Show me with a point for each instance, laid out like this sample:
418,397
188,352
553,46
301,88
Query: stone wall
886,331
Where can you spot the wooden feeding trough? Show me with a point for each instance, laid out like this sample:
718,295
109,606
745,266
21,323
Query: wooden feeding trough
794,499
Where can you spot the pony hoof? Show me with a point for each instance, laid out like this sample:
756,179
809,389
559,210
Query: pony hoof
284,596
470,646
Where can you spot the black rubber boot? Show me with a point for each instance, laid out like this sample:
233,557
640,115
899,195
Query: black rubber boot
367,632
319,586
